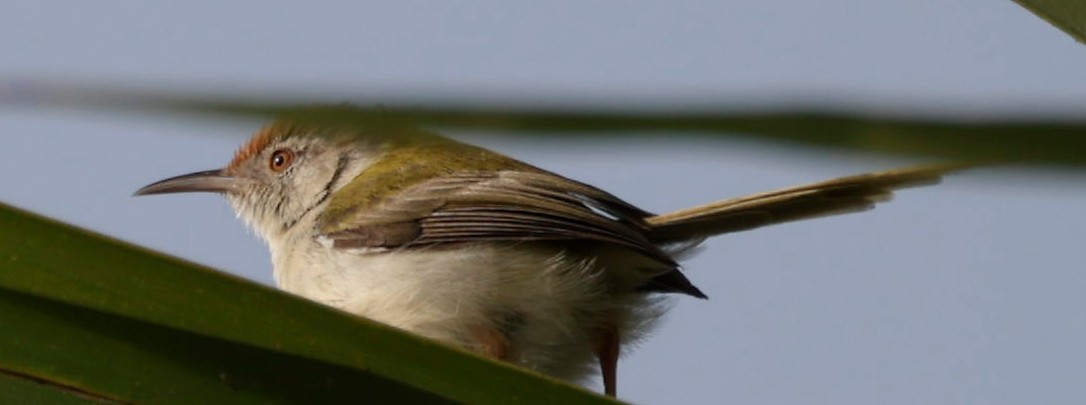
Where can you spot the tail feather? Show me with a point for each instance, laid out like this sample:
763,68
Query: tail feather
832,197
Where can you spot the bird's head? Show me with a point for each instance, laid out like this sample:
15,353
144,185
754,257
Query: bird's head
296,173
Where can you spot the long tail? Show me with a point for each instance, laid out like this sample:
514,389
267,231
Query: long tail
832,197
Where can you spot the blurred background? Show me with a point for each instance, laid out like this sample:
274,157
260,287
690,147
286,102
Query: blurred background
967,292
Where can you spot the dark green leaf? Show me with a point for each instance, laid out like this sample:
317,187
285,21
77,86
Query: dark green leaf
18,389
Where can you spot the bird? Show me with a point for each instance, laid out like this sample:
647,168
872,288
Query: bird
466,246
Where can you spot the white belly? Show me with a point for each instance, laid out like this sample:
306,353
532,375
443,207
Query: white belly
548,304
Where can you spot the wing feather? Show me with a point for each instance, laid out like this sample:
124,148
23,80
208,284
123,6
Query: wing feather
502,206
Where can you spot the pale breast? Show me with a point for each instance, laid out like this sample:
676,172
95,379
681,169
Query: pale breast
547,303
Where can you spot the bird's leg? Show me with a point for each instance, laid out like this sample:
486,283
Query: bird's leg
607,350
492,342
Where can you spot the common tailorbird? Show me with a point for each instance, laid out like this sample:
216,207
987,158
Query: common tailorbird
469,247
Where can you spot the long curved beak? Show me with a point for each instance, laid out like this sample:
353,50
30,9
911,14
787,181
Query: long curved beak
209,181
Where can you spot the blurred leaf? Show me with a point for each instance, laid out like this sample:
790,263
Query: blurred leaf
88,314
1067,15
1050,142
1038,142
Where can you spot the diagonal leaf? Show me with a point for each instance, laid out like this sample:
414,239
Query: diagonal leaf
1067,15
112,319
107,357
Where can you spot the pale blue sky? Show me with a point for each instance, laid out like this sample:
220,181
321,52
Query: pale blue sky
969,292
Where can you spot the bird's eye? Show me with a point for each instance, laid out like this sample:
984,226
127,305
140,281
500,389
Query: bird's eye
281,160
